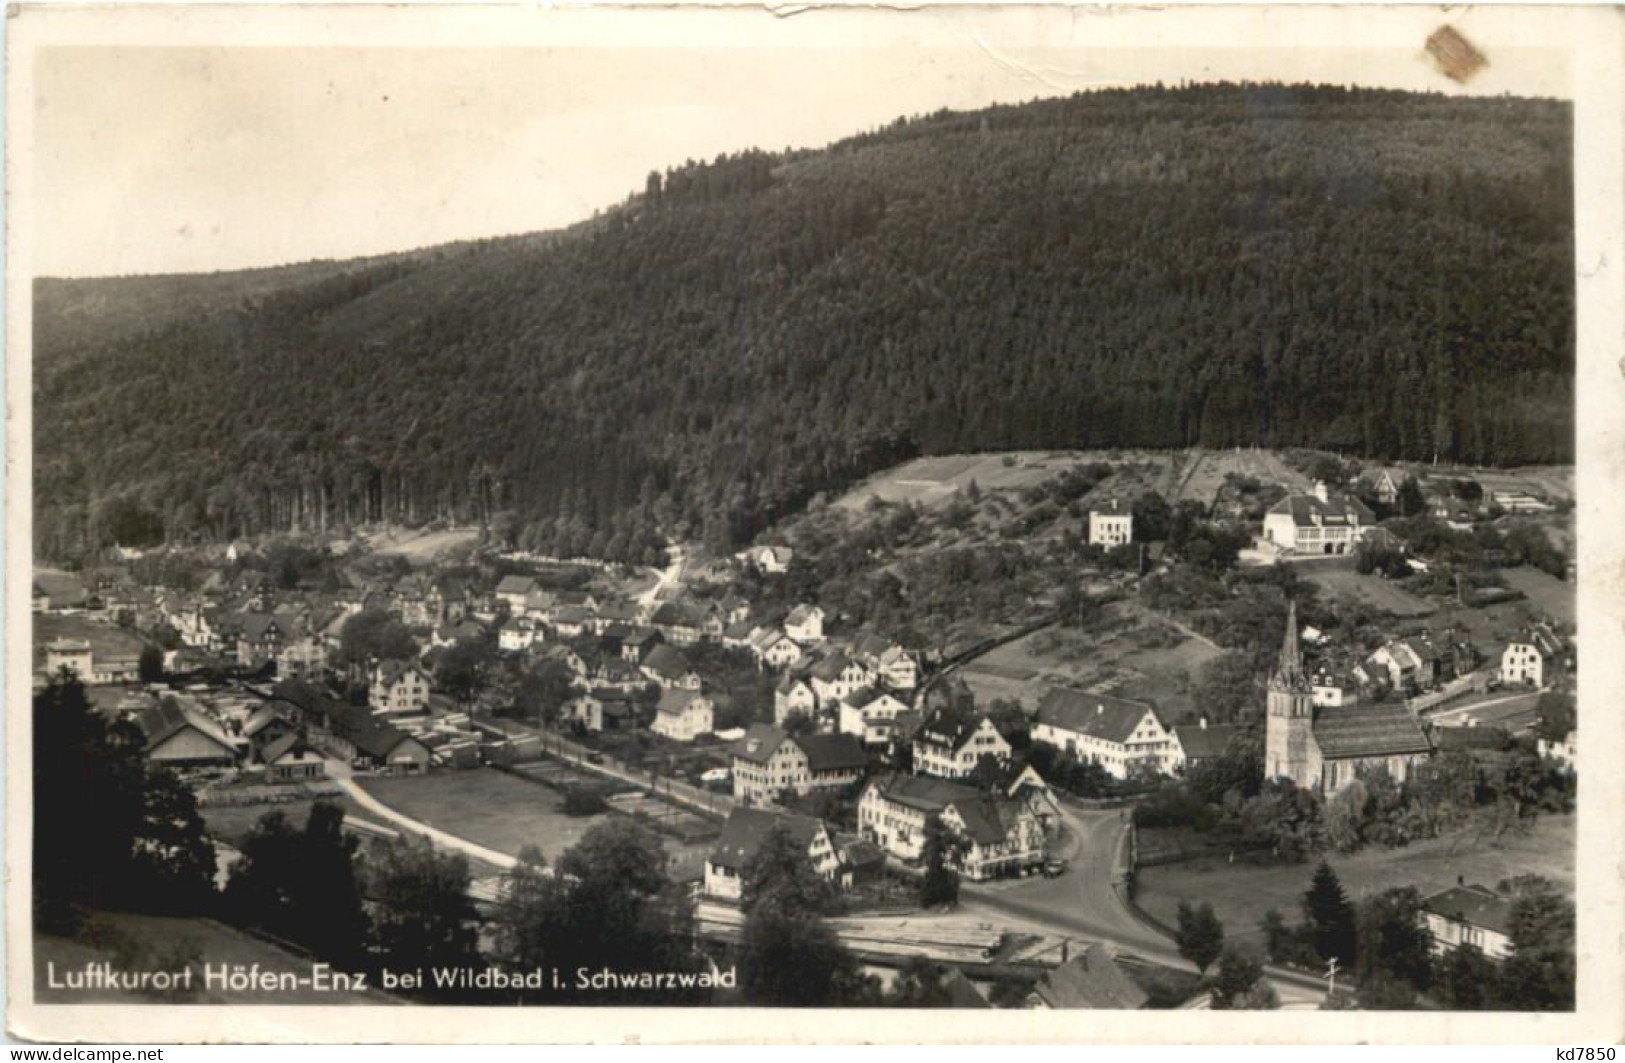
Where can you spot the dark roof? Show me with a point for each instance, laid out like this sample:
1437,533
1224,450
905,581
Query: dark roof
667,662
759,743
1201,743
961,993
169,717
747,828
831,667
289,743
1335,511
1468,738
1473,905
946,727
1098,715
516,585
924,793
986,823
1368,731
834,752
1091,979
674,702
677,614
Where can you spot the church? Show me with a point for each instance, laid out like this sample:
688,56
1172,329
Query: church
1323,748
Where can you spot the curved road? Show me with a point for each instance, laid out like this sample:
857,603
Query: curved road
1083,902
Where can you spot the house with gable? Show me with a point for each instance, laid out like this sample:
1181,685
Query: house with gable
950,743
1111,523
805,625
836,676
868,714
1317,523
767,761
398,687
1118,734
792,695
1201,742
666,666
1530,657
1469,915
1001,835
772,648
742,837
684,715
513,590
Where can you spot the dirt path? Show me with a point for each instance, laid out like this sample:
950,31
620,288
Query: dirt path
439,837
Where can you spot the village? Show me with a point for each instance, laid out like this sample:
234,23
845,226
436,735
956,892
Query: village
1047,739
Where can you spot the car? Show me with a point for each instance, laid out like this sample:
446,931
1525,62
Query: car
1054,868
716,775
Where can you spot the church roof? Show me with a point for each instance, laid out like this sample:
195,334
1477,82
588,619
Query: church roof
1289,668
1368,731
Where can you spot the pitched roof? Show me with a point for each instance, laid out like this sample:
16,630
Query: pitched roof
1096,715
262,718
946,727
1336,510
1474,905
293,742
923,792
760,743
677,614
667,662
1200,743
801,614
830,668
789,683
986,821
390,672
1368,731
676,702
833,752
169,717
748,828
516,585
1091,979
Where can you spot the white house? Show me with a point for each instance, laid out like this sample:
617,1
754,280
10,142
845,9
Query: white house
514,589
1528,659
517,634
805,624
950,744
1469,915
73,654
1330,689
773,648
1317,523
898,669
398,687
1115,733
1111,524
742,837
774,560
868,715
684,715
767,761
838,675
793,695
1002,835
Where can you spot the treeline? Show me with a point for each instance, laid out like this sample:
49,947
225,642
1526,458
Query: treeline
1369,271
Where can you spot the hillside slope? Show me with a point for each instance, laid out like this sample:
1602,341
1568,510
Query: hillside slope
1374,271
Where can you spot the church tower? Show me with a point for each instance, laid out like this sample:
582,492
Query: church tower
1290,749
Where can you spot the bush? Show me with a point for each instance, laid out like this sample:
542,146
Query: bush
582,802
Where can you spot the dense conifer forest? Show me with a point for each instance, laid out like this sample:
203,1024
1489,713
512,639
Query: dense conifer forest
1382,273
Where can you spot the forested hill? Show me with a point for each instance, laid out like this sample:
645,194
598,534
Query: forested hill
1381,272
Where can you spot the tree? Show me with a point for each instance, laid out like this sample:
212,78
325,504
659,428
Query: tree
543,691
790,956
1393,945
1329,916
1410,500
425,918
262,888
327,889
150,666
373,635
1465,980
108,832
1555,716
1152,517
1239,983
1200,935
920,984
524,924
941,849
462,669
1539,975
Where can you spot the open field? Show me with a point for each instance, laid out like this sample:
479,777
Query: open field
135,942
1150,661
420,547
104,638
1550,594
502,812
1243,891
231,823
1373,590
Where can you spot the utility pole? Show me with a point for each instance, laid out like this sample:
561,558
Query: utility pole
1331,977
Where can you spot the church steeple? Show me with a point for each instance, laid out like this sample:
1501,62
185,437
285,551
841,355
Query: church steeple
1289,675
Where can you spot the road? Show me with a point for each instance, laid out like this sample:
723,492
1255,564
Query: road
439,837
1477,707
664,578
1083,901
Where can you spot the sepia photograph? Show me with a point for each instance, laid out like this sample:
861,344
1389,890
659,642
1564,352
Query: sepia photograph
991,510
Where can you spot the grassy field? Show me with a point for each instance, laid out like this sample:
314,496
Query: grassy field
502,812
420,548
136,942
104,638
1243,891
1131,656
1550,594
1373,590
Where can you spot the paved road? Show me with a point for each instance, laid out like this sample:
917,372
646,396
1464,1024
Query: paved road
439,837
1084,903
